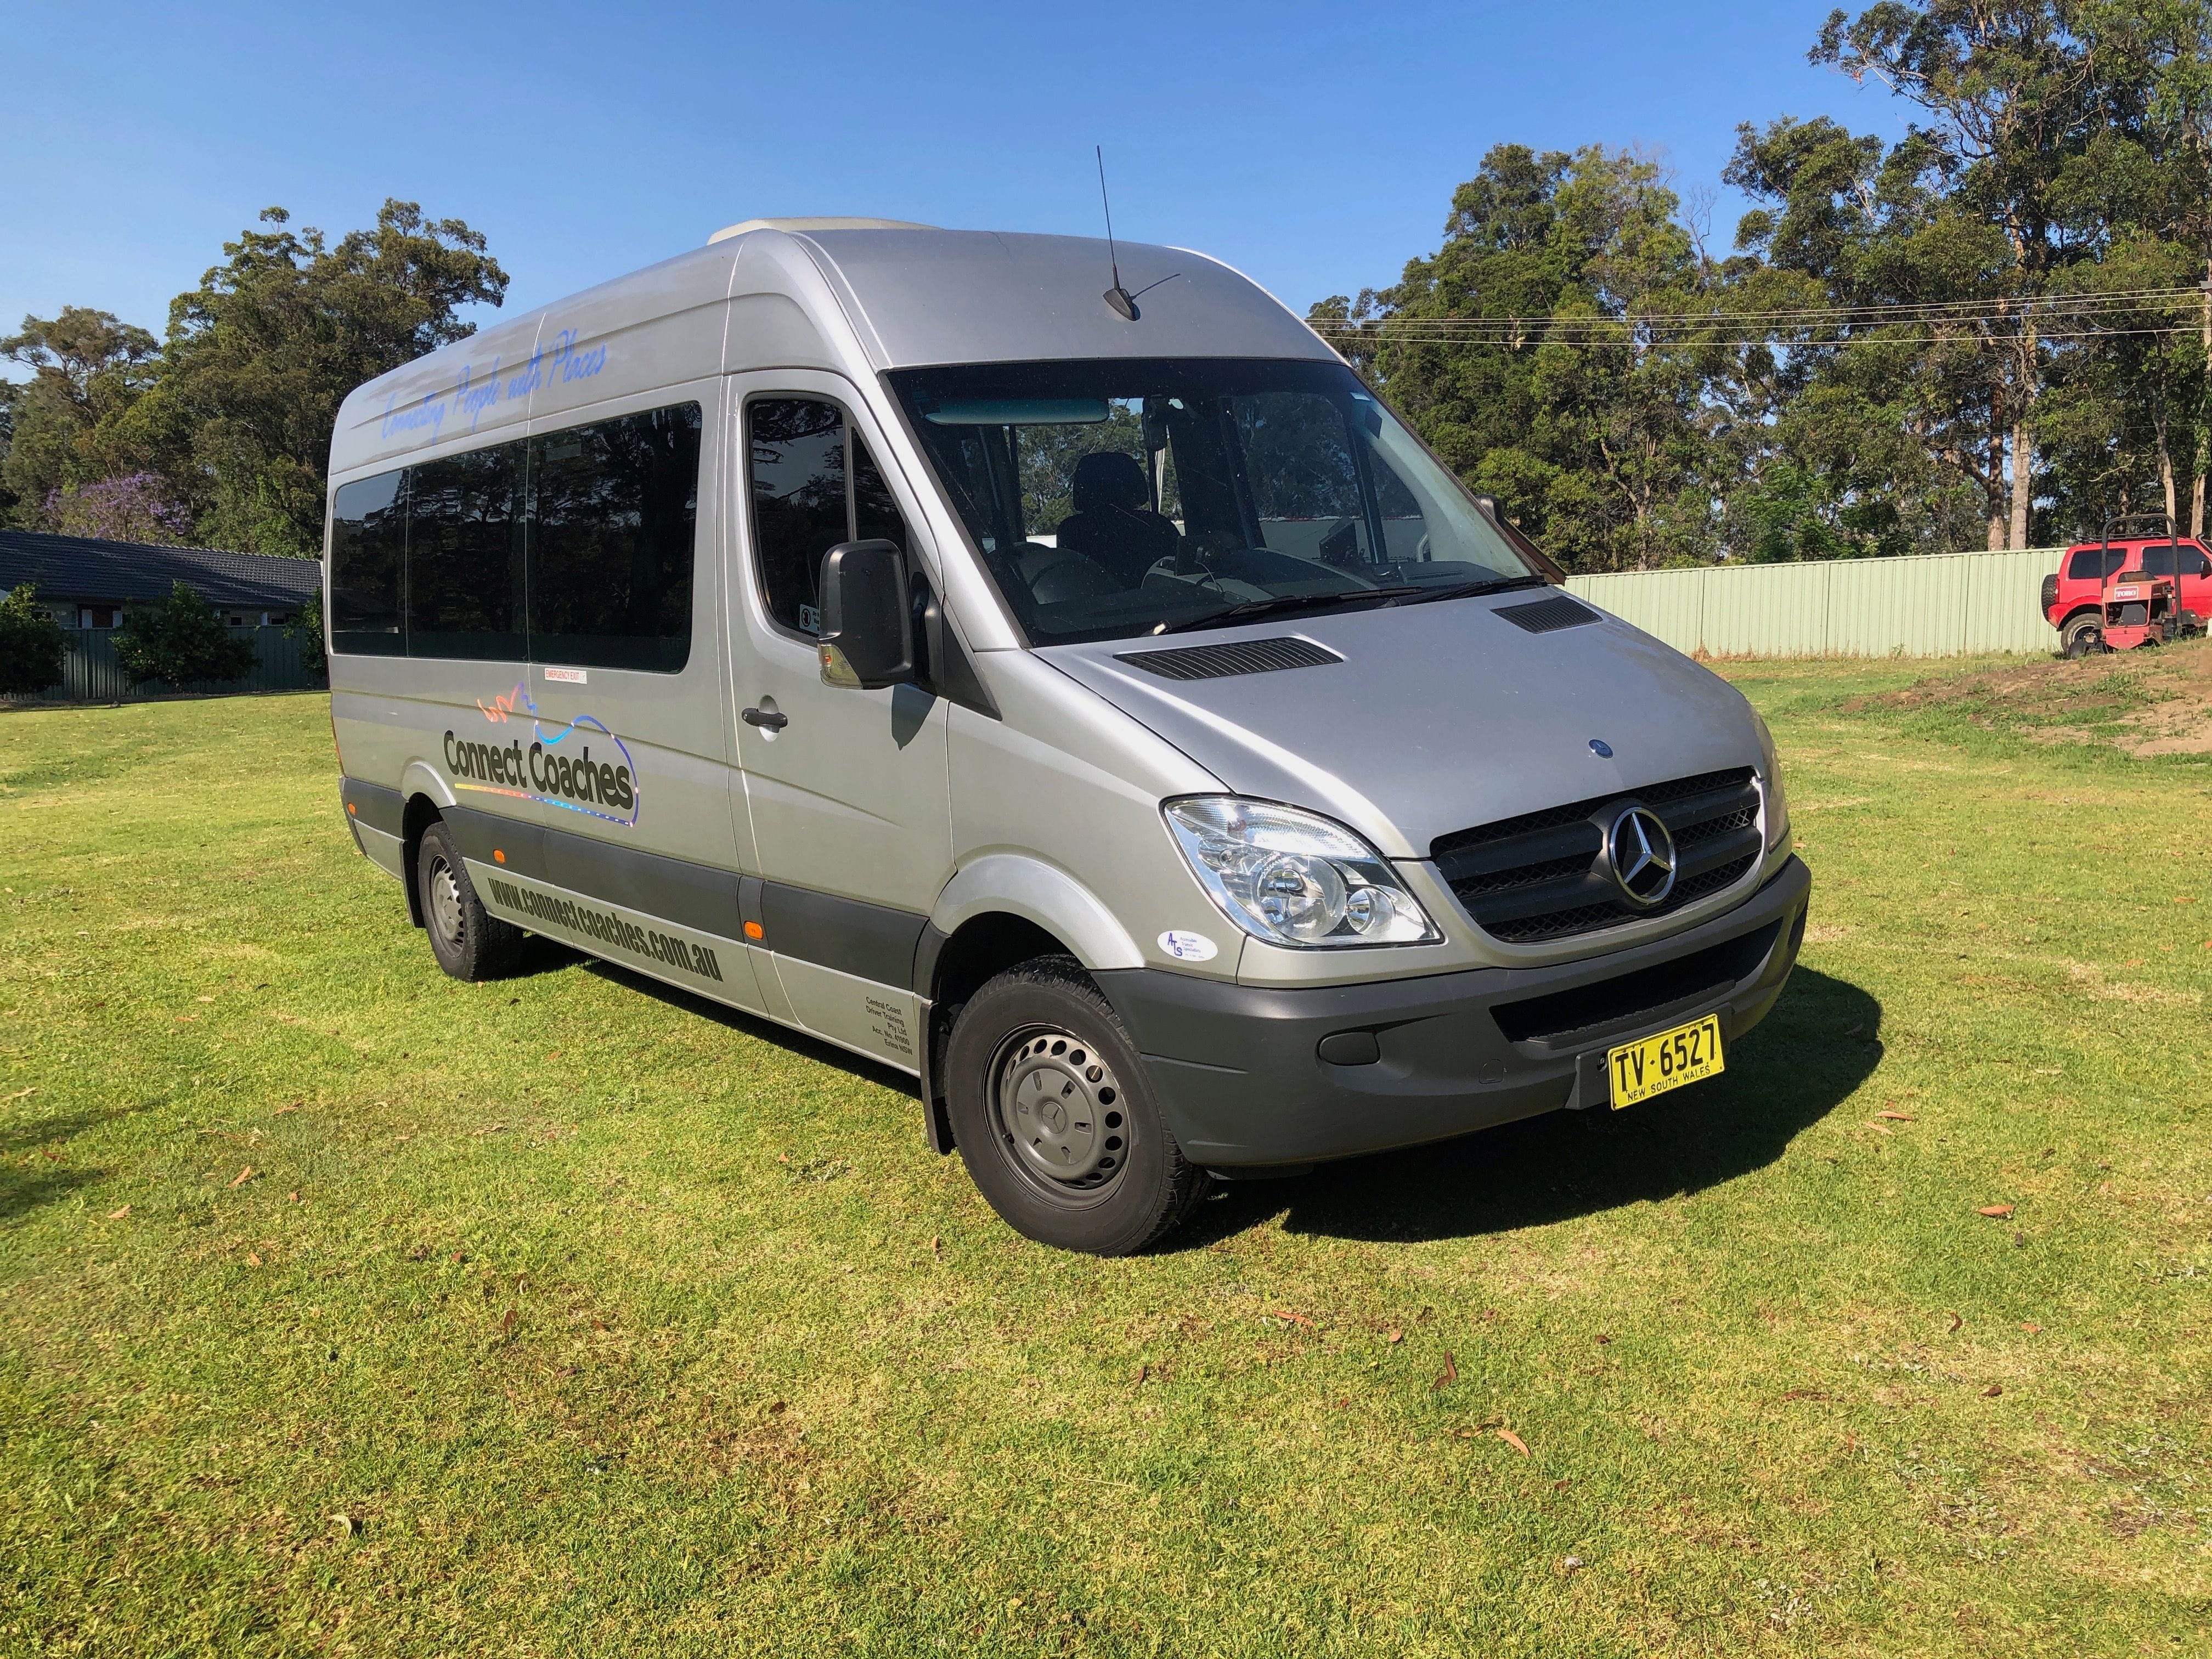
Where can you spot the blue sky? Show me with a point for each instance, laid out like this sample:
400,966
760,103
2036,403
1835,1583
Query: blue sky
1316,148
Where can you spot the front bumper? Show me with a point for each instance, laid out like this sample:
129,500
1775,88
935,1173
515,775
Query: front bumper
1240,1074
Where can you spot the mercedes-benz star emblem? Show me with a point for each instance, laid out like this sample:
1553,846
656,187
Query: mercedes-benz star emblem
1642,853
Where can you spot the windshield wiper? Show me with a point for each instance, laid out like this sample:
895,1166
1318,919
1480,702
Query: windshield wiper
1490,585
1280,602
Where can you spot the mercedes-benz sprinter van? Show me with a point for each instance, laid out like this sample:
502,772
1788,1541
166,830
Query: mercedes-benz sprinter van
1099,707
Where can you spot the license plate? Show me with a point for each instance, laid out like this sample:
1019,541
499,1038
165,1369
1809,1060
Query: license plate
1654,1064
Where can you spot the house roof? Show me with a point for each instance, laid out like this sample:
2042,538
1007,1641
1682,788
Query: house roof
64,567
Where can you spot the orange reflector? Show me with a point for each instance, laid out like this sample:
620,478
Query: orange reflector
498,857
753,930
351,808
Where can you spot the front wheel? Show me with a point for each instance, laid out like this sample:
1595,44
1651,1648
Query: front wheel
1056,1119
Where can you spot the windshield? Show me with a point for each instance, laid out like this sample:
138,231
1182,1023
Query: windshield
1121,497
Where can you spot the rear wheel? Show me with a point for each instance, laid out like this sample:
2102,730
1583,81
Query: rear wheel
468,942
2082,634
1056,1119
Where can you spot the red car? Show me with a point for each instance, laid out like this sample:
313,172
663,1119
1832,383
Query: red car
2073,600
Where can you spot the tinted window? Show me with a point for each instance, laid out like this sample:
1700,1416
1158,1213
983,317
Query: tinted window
465,556
801,507
613,510
2092,564
369,548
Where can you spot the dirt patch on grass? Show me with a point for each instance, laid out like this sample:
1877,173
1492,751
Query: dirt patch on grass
2154,700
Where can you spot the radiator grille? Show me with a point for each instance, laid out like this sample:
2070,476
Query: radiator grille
1540,875
1214,662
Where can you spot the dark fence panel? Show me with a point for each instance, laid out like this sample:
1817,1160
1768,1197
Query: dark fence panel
90,672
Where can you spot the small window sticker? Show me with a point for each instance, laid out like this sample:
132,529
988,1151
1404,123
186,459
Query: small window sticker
1188,947
566,676
810,618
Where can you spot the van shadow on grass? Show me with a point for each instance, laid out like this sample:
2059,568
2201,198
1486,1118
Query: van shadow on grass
1820,1043
31,1175
1806,1058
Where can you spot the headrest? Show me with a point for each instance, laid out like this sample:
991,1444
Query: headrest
1107,478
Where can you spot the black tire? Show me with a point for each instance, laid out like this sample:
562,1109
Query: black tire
2081,634
1104,1175
468,942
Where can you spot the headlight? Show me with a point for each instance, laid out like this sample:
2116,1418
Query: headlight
1290,877
1777,803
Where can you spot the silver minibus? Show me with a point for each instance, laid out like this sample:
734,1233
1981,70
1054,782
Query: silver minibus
1099,707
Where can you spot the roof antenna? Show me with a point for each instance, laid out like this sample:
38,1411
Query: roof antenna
1118,299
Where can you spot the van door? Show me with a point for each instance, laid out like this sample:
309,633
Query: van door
847,789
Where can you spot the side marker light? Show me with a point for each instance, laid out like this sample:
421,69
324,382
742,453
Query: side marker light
754,930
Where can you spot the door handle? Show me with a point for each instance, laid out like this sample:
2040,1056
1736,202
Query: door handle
772,720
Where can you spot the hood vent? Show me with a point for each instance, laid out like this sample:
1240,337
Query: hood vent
1216,662
1548,615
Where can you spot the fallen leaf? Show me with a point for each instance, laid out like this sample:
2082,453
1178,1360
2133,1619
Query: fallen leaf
252,1260
1993,1391
280,1110
1878,1128
2032,1329
1395,1336
774,1406
1602,1339
2185,900
117,1215
1514,1441
202,999
1572,1564
936,1244
242,1177
1292,1318
293,1198
1143,1374
1998,1210
506,1325
1450,1374
348,1524
459,1256
1897,1117
1561,1486
23,1094
1956,1322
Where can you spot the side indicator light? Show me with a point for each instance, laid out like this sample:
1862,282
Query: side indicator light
351,810
498,857
754,930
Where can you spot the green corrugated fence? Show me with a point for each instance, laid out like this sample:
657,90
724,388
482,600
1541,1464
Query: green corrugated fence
1944,604
90,672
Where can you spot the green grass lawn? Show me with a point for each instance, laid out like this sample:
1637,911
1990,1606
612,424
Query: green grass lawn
347,1309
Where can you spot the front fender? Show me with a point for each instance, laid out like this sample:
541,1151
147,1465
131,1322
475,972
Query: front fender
1014,883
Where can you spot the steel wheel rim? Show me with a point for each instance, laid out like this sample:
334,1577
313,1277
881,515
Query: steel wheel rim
444,899
1060,1113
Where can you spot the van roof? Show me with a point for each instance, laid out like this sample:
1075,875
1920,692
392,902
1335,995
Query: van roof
853,296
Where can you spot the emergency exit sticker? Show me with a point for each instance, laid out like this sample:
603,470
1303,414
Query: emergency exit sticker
1188,947
566,676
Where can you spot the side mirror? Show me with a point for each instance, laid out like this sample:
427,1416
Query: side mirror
867,640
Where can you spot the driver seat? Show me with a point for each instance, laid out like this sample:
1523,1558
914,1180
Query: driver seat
1113,524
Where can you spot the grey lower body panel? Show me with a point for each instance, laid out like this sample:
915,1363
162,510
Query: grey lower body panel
1240,1076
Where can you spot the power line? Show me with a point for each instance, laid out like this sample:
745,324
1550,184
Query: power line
2048,313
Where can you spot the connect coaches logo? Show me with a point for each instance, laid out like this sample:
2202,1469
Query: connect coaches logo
558,769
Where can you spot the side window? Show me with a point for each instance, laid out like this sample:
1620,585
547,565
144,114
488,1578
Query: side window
801,505
2158,561
814,484
613,510
465,556
2087,565
369,562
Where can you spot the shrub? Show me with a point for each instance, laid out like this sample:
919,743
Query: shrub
308,632
179,642
30,645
